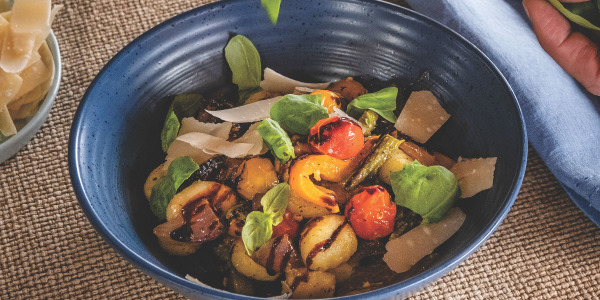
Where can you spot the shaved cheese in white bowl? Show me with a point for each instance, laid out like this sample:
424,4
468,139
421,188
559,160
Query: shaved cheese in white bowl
277,83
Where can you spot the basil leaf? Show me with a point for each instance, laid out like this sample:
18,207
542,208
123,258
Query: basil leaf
257,230
382,102
244,61
277,139
163,191
184,105
275,202
428,191
272,9
298,113
585,14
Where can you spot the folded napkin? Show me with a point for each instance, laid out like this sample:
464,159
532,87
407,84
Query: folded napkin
562,118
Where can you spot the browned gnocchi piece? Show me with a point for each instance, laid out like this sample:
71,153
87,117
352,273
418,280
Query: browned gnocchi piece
307,284
244,264
326,242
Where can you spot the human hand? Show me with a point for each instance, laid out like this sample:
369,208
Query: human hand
572,50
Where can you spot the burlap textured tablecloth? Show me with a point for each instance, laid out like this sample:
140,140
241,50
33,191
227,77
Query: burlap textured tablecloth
545,249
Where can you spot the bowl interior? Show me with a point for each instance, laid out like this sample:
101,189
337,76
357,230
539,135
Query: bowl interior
14,143
115,144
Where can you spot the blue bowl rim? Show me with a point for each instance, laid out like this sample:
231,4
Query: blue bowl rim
410,285
26,133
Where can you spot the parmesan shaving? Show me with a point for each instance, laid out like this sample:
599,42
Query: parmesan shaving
26,63
253,112
474,175
421,117
253,137
220,130
29,26
277,83
406,250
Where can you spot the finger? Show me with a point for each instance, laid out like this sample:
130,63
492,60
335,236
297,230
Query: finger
574,52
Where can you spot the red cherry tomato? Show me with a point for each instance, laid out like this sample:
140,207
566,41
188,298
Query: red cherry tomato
341,138
371,213
288,226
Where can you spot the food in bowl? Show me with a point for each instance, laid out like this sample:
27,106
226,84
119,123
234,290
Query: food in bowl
26,63
306,190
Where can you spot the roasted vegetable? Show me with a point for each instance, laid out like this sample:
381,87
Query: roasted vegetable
341,138
258,176
383,150
194,217
394,163
348,88
329,99
371,213
368,121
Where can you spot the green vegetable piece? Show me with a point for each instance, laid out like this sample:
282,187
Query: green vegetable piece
275,201
586,14
382,102
277,139
368,121
257,230
382,151
184,105
428,191
298,113
272,9
165,189
244,61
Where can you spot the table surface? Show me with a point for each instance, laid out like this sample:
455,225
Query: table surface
546,248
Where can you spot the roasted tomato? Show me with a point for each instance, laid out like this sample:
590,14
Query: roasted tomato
341,138
371,213
288,226
329,99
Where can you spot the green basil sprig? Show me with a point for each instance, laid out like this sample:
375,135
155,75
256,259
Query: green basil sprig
244,61
428,191
163,191
382,102
298,113
277,139
275,201
272,9
184,105
258,228
586,14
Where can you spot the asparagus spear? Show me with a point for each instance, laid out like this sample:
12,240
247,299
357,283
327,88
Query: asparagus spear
380,154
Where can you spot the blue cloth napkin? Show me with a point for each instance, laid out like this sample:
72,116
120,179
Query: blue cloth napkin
562,118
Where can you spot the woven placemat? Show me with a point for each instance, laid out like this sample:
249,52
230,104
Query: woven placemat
545,249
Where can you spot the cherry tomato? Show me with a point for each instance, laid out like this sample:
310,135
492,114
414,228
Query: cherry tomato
341,138
288,226
371,213
329,100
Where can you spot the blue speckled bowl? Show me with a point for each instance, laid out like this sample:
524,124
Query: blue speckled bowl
25,134
115,139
